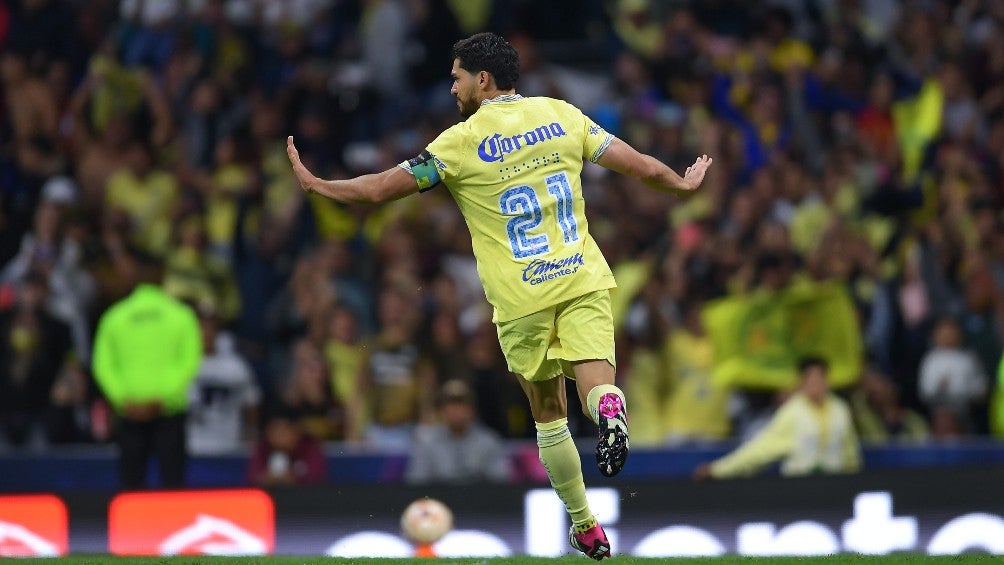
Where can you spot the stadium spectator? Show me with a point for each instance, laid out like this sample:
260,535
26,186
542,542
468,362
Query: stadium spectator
286,455
34,347
75,415
951,382
51,250
294,313
33,114
812,432
220,190
650,385
501,402
193,274
697,407
880,417
457,448
982,299
398,385
308,394
147,196
263,262
444,342
346,361
223,399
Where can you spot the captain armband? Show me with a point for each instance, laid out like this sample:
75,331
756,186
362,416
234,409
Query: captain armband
425,170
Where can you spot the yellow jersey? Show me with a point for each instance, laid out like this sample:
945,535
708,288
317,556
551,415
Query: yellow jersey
514,170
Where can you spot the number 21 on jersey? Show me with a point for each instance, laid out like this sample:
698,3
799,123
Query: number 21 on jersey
522,201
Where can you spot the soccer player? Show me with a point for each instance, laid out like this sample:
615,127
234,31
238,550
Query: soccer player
513,167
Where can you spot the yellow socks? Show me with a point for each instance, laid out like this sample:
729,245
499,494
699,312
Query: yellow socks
594,396
564,468
585,526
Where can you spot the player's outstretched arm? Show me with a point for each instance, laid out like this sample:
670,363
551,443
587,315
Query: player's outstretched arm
378,187
624,159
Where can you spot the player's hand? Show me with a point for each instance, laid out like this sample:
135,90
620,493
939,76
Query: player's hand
143,411
306,179
694,175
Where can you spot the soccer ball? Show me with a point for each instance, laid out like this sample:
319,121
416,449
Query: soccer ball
426,520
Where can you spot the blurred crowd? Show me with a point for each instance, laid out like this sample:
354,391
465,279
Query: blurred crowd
859,141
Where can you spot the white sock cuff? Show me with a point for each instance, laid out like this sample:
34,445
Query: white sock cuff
552,433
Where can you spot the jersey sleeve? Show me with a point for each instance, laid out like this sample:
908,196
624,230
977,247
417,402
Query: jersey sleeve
595,139
446,157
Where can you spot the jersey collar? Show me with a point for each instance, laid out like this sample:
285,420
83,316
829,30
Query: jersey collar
502,98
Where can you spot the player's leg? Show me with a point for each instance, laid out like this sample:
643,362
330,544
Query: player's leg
525,343
561,459
547,399
585,330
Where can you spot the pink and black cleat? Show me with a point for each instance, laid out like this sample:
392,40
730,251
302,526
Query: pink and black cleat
612,446
593,542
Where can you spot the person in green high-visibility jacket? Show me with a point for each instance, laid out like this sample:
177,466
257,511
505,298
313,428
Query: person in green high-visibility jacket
147,351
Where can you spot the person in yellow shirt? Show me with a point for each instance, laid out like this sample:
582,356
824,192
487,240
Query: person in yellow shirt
674,398
513,166
147,195
697,408
194,275
811,433
346,359
221,189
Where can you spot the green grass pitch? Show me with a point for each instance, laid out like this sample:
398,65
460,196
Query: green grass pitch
898,559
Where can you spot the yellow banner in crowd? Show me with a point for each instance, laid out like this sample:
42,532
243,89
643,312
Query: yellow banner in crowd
758,338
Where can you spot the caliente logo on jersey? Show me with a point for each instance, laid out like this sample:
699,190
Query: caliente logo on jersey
496,146
540,270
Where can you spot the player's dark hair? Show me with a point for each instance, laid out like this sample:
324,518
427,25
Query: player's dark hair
489,52
810,361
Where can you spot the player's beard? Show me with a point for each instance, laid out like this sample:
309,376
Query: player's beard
467,105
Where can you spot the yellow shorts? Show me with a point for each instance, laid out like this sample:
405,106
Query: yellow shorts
543,345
